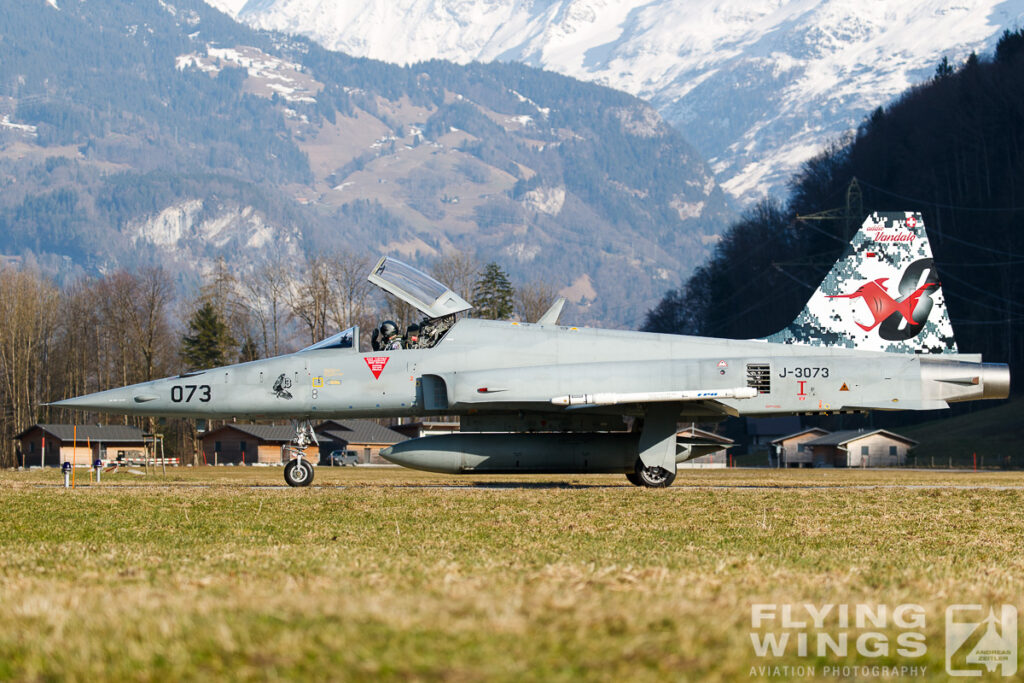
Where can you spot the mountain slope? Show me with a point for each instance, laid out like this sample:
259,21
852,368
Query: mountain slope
757,85
138,131
952,149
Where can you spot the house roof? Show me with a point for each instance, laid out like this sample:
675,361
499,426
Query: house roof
695,433
360,431
850,435
809,430
271,433
101,433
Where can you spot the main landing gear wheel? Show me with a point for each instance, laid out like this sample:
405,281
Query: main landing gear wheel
652,477
298,473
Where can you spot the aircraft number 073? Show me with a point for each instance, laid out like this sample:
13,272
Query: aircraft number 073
805,372
187,392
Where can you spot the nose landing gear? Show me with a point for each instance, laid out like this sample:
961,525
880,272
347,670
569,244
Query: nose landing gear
299,471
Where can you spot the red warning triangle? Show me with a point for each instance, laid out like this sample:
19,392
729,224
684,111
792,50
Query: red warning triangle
376,364
844,387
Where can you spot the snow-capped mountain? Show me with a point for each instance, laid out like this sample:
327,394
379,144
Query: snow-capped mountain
756,85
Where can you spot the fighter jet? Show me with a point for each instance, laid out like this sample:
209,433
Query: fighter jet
548,398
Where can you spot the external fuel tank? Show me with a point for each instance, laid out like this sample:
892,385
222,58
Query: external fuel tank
523,453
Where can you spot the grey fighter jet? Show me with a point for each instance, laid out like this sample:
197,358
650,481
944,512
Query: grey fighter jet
548,398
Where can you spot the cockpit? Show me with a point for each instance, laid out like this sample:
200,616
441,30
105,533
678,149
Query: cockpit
436,301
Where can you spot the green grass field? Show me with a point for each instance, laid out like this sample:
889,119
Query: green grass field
993,433
378,574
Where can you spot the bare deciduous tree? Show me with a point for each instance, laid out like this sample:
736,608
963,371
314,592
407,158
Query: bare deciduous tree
265,295
148,328
28,316
533,300
310,300
351,292
458,270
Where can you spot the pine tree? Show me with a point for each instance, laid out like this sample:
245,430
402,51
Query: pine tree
249,351
208,343
493,295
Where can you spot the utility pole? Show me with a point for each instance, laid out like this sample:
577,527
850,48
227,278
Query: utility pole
854,209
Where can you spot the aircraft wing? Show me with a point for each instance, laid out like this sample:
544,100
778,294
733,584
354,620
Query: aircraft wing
590,386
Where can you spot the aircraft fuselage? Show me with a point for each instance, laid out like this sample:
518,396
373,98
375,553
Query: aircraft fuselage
484,366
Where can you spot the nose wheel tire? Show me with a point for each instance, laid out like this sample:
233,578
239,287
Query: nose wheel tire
298,473
652,477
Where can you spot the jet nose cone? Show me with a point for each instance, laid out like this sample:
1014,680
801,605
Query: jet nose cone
114,400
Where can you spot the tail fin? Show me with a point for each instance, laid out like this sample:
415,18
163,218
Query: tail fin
883,294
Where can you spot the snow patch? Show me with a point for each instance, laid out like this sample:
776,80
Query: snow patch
544,111
182,62
687,210
228,7
268,75
523,120
5,122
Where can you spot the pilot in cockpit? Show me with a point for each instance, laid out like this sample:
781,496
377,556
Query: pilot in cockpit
412,336
389,339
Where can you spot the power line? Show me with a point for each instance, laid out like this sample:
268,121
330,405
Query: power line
986,264
983,248
975,302
833,214
986,292
979,323
1004,209
792,277
804,219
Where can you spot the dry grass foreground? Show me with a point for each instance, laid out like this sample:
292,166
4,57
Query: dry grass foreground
390,574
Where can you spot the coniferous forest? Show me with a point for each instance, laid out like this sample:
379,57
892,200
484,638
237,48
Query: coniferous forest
952,149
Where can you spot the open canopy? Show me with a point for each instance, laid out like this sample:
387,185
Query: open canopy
417,289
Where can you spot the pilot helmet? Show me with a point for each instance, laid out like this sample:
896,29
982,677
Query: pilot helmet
388,329
413,331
